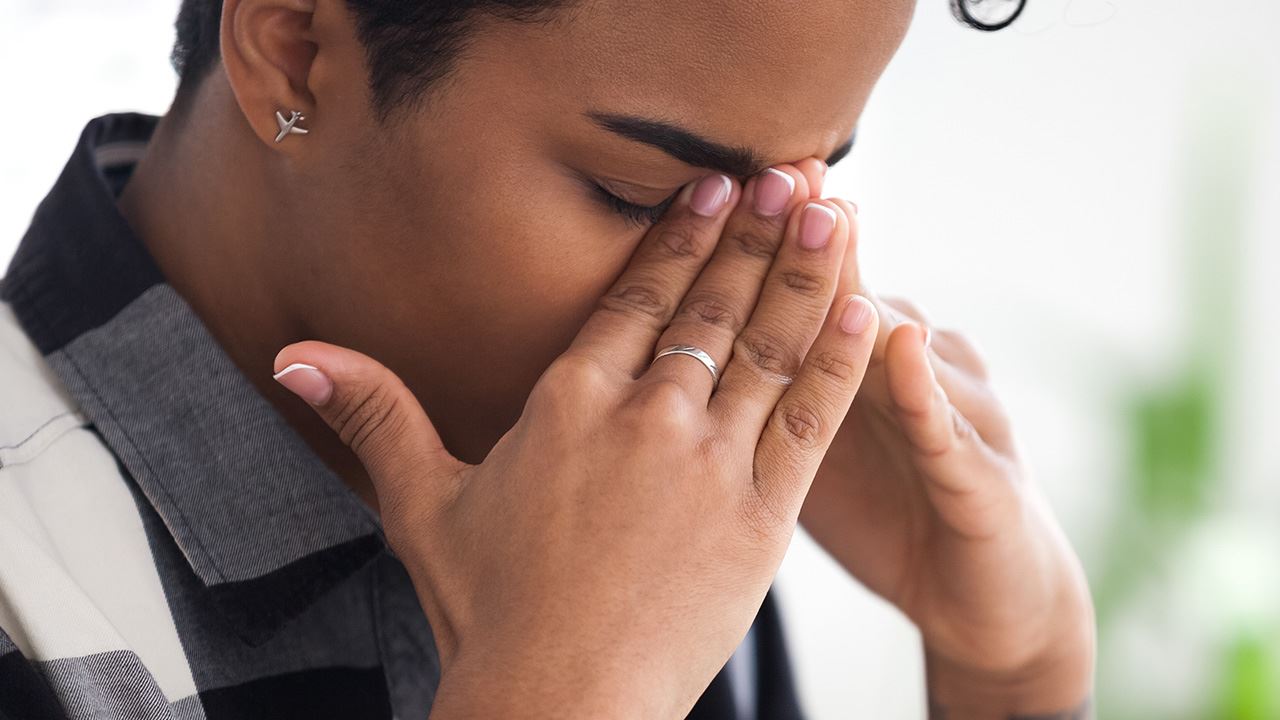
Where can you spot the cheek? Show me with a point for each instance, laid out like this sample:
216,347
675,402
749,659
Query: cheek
542,272
514,280
491,255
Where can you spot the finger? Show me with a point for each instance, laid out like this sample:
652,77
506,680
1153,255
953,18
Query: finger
910,309
375,415
804,422
962,374
815,172
628,319
850,277
950,345
716,308
959,351
795,300
946,447
853,281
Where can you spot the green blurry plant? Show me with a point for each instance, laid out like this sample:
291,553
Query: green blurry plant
1176,478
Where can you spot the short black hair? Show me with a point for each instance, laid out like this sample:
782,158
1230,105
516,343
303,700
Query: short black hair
409,45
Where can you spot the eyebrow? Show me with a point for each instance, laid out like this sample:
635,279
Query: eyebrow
692,149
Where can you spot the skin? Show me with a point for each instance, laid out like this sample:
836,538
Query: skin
458,245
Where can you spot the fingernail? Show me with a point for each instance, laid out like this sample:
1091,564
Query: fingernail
306,382
928,336
711,194
773,191
816,225
856,316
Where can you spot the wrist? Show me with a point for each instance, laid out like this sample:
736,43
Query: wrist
1055,683
525,684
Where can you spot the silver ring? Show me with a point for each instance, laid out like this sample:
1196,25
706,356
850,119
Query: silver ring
693,352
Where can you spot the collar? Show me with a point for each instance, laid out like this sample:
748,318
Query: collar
265,525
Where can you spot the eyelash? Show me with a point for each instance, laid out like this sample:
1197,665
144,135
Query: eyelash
639,215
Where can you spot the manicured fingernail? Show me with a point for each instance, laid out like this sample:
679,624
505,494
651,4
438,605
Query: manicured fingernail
856,316
773,191
710,195
306,382
928,336
816,225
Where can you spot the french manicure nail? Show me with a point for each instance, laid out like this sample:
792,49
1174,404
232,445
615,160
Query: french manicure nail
773,191
816,225
710,195
307,382
856,316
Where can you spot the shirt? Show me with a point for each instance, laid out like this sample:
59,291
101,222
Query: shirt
169,546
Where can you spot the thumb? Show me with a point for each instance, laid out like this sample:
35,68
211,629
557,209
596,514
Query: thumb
373,413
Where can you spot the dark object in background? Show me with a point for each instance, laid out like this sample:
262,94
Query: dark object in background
988,15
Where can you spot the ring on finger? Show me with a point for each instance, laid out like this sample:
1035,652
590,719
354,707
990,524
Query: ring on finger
694,352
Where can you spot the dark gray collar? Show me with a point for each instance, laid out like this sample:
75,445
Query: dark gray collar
263,522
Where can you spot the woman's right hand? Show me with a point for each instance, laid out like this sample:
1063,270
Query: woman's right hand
613,548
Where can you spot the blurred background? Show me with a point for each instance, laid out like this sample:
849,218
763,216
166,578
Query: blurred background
1093,195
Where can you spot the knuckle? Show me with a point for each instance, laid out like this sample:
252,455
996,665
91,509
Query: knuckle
709,308
636,299
766,351
662,407
569,393
661,398
799,425
678,241
805,283
756,241
364,421
569,374
835,367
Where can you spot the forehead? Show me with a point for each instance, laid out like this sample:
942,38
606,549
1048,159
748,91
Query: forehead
787,78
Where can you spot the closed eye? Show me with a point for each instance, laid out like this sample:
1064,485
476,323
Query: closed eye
640,215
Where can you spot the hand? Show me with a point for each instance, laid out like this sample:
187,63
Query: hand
924,498
613,548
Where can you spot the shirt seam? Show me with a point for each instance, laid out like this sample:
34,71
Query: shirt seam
32,436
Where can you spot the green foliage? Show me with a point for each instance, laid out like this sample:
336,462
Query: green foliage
1173,449
1250,683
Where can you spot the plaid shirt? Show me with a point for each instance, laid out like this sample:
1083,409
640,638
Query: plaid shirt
169,547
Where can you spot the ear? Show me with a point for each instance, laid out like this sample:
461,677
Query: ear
267,51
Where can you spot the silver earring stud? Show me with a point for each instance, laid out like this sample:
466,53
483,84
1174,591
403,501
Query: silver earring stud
290,126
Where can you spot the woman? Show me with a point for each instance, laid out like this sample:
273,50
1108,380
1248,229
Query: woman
579,341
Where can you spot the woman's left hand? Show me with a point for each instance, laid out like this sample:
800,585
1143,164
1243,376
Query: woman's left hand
924,499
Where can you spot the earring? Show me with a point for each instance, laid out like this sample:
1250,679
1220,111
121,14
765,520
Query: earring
290,126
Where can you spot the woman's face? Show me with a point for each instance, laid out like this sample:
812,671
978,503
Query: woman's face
465,243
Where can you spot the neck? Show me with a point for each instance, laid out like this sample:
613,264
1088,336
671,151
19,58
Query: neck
210,217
